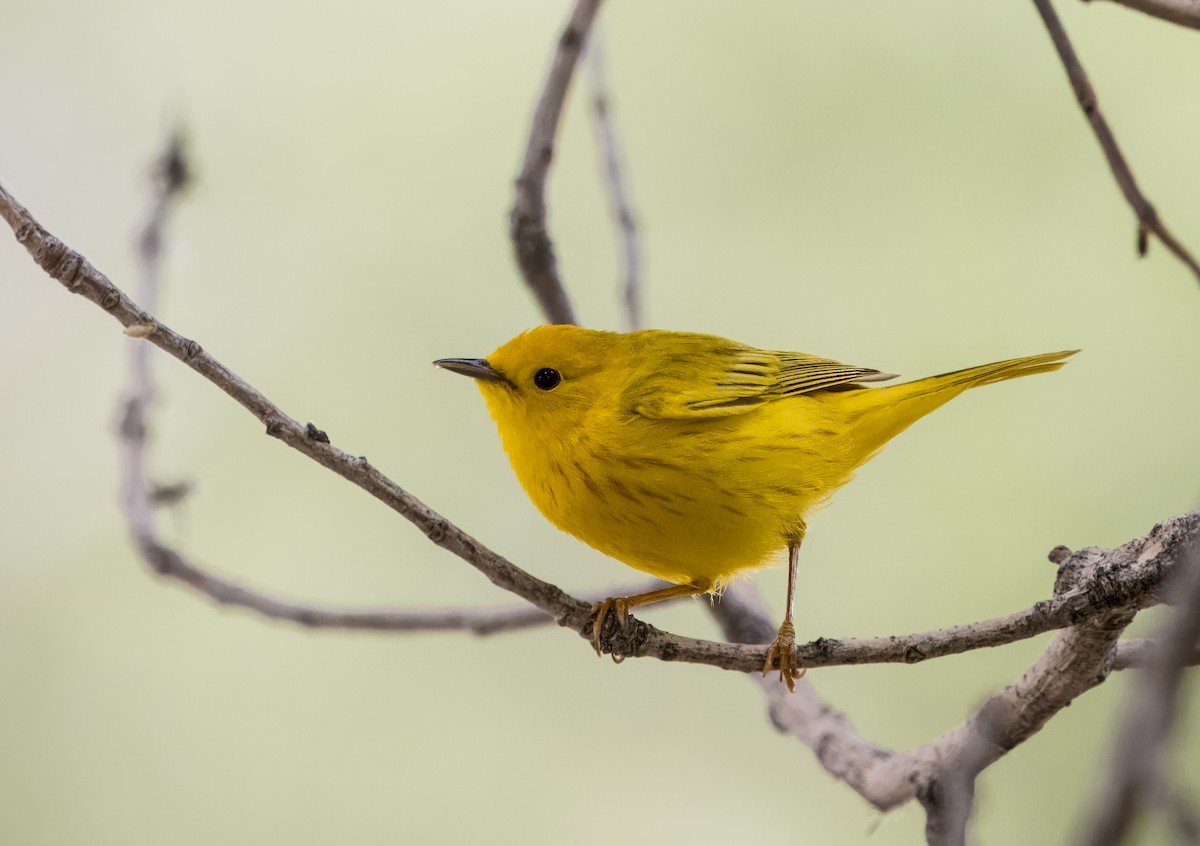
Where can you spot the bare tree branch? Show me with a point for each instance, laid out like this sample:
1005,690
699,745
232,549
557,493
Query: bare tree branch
79,276
608,144
837,745
527,221
1147,215
1127,577
1096,595
1132,580
140,495
948,793
1182,12
480,621
941,774
169,178
1076,660
1136,776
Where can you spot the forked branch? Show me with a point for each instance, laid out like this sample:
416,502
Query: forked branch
612,158
1132,586
527,222
1149,221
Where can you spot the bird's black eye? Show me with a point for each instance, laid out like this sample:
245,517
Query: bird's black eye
547,378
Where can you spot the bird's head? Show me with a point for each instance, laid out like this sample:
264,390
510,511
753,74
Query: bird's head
544,381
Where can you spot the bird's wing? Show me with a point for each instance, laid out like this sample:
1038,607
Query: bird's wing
727,380
803,374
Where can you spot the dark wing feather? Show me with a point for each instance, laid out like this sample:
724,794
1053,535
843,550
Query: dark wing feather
803,374
704,376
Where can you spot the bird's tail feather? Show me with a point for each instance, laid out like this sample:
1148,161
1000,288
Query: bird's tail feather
876,415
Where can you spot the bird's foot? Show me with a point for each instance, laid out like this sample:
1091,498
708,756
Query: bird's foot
782,656
614,604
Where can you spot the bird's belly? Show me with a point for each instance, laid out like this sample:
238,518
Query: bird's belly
705,545
700,520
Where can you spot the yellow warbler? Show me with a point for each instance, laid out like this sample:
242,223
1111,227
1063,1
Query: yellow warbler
693,457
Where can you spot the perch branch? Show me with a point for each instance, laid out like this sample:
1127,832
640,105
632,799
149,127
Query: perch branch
527,221
941,774
1147,215
1132,584
79,276
1136,776
140,495
608,145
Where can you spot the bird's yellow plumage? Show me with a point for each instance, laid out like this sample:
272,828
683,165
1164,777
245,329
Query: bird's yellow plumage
689,456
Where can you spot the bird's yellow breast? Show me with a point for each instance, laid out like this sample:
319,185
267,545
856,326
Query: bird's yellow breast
687,500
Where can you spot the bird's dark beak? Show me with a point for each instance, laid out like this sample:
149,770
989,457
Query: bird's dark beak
476,368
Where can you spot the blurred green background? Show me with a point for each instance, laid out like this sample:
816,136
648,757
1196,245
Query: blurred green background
907,186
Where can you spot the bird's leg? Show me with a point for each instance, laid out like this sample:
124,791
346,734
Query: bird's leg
782,653
622,604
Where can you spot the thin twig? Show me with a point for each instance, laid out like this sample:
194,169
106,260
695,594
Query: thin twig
527,221
1182,12
170,177
1136,776
1137,653
167,562
941,772
1147,215
608,144
79,276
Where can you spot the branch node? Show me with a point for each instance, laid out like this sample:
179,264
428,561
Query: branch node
436,531
111,300
167,495
307,618
133,425
571,39
55,257
1059,555
191,349
824,645
162,560
72,267
139,330
315,434
173,170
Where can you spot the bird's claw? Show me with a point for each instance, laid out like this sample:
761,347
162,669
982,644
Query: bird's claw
617,604
782,655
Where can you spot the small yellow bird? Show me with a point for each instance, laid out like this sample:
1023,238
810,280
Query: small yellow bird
692,457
